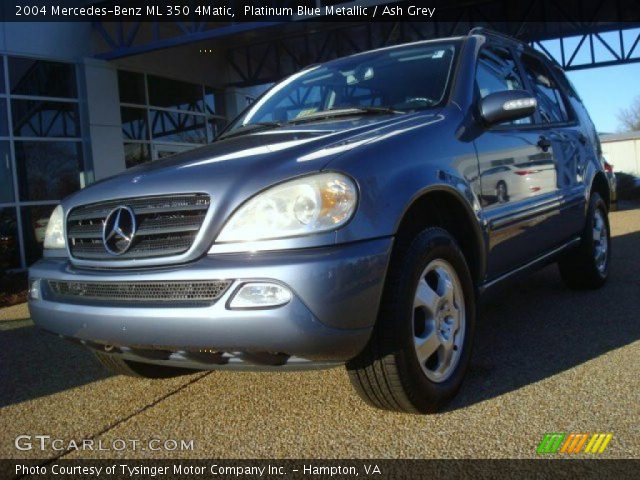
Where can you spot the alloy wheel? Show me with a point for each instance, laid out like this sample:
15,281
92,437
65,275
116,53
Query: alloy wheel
600,240
438,320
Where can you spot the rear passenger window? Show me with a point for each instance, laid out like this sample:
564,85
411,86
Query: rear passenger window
551,104
496,72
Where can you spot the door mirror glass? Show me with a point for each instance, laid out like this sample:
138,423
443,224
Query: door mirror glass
507,106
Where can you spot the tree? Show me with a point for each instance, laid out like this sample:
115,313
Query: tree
630,117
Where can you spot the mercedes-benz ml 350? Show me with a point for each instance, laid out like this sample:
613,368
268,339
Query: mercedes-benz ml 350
353,215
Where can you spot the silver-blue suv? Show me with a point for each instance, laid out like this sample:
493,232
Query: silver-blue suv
354,214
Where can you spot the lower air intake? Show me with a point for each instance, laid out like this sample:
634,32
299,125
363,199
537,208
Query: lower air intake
206,291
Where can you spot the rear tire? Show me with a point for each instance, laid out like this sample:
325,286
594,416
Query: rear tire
587,267
426,319
137,369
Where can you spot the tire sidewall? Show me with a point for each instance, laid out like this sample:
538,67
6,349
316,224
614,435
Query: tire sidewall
596,204
432,244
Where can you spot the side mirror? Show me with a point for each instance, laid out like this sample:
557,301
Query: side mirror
506,106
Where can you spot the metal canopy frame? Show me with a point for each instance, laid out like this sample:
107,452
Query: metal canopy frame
263,52
268,61
622,52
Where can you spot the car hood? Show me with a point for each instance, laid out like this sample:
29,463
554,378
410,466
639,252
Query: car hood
233,170
248,163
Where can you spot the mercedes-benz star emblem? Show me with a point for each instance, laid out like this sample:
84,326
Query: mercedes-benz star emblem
118,230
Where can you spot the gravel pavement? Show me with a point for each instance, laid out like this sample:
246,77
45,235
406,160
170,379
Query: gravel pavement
546,360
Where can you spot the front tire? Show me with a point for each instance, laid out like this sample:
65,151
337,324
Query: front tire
420,348
119,366
587,267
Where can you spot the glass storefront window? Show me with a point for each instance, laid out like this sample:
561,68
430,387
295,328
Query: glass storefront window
48,170
4,118
134,123
213,101
35,118
1,74
136,153
42,78
168,93
34,225
39,108
217,125
178,127
174,116
6,179
131,86
9,245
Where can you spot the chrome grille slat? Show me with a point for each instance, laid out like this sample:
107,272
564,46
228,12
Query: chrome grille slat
146,226
166,226
198,291
144,248
98,214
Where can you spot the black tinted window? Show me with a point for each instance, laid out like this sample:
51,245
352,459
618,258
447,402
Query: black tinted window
550,102
48,170
42,78
4,126
134,123
6,178
131,86
35,118
168,93
497,72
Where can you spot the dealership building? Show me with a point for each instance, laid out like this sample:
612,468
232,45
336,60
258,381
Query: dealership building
81,101
69,118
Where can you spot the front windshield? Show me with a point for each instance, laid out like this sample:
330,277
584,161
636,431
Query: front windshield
399,79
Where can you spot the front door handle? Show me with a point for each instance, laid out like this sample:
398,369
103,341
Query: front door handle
543,143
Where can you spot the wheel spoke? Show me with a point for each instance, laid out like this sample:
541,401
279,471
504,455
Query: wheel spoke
426,346
597,235
444,358
445,286
426,297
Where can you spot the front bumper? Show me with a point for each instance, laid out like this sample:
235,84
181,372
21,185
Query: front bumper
336,294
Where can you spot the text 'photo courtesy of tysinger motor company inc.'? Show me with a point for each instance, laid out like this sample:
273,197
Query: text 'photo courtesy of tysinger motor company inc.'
304,239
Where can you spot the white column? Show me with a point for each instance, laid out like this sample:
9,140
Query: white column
104,123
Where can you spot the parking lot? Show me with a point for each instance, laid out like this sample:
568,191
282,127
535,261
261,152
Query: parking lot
547,359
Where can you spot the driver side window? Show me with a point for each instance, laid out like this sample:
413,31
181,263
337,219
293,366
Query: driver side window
496,72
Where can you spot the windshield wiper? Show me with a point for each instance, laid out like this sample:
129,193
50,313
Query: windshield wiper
249,128
343,112
337,112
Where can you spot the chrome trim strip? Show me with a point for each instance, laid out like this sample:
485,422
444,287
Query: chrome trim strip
542,258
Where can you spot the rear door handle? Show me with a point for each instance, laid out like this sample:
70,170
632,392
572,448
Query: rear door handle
543,143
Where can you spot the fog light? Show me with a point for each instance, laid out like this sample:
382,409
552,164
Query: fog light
34,289
260,295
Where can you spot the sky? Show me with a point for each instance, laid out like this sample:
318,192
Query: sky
607,90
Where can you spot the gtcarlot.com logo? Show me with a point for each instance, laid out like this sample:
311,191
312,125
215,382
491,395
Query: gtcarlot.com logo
574,443
46,442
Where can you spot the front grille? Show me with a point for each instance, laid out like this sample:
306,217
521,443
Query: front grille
166,225
202,291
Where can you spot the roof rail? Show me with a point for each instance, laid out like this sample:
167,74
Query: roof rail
494,33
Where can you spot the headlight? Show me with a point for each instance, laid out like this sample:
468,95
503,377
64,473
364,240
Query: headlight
54,235
312,204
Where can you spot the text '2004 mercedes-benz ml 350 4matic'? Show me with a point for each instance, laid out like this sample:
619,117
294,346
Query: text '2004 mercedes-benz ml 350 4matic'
354,214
